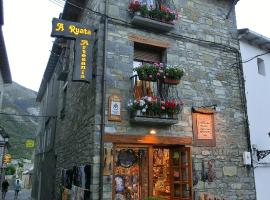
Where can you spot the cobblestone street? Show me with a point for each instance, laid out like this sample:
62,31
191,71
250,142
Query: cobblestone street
23,195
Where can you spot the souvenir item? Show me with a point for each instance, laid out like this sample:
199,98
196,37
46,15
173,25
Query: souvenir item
126,158
119,183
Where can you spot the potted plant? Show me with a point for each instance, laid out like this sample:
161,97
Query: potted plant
141,106
173,75
147,72
173,107
162,13
138,9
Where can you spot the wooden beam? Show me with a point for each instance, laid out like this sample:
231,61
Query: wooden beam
153,42
147,139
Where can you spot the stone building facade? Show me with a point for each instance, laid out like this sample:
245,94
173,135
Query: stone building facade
203,42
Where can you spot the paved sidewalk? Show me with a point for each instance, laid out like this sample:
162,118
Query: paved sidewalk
23,195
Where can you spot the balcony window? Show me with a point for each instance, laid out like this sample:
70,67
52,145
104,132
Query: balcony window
153,99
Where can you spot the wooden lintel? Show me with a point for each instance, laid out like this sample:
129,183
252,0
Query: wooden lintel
204,110
153,42
147,139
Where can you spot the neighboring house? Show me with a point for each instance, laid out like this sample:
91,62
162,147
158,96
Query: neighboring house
255,50
196,153
5,75
3,150
5,78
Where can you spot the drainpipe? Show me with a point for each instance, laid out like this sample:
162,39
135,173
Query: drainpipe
243,97
103,100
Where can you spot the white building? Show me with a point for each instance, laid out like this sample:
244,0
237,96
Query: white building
255,50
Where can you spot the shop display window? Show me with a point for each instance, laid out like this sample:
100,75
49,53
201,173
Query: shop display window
143,171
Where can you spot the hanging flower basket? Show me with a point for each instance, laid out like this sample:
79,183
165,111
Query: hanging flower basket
171,81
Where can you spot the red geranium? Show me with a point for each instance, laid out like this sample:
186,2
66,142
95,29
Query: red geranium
134,6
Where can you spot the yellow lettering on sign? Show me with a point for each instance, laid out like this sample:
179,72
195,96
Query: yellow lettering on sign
83,43
76,31
83,63
83,55
83,67
84,59
60,26
82,76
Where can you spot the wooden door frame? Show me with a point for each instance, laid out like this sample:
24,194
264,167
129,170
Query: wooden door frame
150,148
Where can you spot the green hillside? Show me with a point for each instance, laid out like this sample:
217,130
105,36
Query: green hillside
19,102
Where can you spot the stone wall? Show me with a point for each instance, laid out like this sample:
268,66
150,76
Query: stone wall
209,79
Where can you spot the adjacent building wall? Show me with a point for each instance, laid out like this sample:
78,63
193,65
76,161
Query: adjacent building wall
257,94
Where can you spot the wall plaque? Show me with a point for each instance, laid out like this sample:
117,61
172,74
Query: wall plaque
203,127
114,108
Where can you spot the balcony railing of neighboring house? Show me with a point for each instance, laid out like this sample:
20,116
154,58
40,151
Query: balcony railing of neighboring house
155,97
160,15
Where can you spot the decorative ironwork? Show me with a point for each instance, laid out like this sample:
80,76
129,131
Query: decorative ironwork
161,103
262,154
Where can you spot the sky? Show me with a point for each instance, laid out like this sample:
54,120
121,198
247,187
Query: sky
27,30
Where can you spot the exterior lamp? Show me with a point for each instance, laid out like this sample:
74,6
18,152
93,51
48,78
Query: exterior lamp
152,132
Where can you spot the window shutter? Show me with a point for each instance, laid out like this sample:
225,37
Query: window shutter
147,53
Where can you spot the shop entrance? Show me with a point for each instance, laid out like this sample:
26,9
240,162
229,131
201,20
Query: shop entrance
157,171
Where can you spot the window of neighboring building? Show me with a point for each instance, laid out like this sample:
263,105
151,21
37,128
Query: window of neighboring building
261,66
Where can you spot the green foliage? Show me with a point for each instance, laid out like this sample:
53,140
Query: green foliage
174,72
20,164
152,198
162,13
18,99
11,169
152,72
144,11
147,72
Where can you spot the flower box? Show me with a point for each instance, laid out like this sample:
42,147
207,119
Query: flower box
171,81
159,71
159,17
153,120
151,24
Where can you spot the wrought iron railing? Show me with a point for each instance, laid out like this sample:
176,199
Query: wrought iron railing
154,99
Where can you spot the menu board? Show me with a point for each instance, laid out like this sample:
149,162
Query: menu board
203,128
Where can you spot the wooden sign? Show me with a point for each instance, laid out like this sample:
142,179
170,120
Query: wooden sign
83,35
69,29
82,70
203,128
114,108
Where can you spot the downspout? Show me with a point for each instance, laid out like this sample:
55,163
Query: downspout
243,97
103,100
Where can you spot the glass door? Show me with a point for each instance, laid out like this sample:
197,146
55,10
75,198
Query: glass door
181,181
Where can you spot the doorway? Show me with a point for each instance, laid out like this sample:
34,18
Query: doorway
141,171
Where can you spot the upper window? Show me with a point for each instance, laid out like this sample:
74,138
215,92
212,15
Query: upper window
261,66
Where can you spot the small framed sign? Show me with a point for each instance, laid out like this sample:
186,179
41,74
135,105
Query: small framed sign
114,108
203,127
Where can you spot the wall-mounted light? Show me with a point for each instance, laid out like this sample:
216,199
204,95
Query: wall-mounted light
152,132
